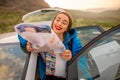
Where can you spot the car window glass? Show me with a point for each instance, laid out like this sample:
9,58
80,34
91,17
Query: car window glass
44,15
101,60
12,61
88,33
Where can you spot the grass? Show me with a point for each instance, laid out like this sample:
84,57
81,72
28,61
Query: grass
84,22
8,19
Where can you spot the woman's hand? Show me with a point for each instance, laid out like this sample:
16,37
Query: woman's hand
29,47
67,55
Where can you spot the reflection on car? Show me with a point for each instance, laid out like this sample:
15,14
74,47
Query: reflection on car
87,33
12,60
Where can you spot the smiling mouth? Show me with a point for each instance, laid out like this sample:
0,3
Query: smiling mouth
58,28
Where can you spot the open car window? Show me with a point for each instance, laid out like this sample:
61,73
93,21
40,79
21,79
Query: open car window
99,59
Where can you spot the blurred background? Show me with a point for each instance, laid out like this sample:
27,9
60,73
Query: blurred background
104,13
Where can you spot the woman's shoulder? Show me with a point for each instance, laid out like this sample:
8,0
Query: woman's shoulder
70,35
73,32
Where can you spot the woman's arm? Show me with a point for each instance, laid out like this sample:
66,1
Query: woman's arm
25,44
76,45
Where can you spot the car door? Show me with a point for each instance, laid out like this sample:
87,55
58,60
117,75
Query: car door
13,62
99,59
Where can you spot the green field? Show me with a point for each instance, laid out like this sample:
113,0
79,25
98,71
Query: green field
84,22
8,19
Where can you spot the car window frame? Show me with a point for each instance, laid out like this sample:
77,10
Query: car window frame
32,66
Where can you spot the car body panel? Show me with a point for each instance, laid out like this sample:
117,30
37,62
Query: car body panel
12,61
25,67
8,37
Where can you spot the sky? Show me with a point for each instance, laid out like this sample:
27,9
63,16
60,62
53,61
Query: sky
84,4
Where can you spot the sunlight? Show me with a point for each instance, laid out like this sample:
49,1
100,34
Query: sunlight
84,4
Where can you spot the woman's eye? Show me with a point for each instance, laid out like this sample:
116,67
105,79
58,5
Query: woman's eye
58,20
64,23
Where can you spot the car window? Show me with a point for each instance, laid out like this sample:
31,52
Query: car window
39,16
99,61
87,33
12,61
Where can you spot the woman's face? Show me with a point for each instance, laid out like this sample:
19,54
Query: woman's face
60,24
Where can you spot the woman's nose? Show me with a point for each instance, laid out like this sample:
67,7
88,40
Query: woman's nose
60,22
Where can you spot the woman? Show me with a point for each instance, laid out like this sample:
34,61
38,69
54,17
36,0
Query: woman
61,25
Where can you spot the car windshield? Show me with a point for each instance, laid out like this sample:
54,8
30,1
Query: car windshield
12,61
39,16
